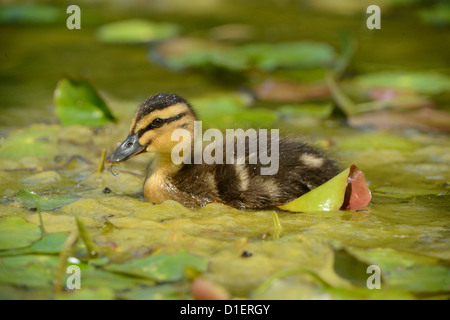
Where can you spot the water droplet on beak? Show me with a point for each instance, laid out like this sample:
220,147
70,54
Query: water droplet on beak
114,170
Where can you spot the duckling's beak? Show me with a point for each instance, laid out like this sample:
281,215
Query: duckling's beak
128,148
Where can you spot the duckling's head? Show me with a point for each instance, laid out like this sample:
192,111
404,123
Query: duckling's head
152,126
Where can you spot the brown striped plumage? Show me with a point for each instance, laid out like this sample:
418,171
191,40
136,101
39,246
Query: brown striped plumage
301,167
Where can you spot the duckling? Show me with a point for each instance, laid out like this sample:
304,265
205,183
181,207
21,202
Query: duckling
240,185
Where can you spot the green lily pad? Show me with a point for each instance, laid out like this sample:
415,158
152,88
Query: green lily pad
30,199
49,244
321,111
15,232
302,54
377,141
161,267
183,54
136,31
87,294
424,82
407,271
33,271
421,279
158,292
348,190
77,102
389,259
230,110
35,141
30,13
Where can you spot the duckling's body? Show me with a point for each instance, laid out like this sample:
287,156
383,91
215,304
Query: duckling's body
301,167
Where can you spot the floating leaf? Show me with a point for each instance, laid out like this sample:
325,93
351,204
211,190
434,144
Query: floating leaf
30,199
425,82
302,54
230,110
49,244
424,119
16,232
377,141
389,259
77,102
34,141
290,91
193,53
321,111
421,279
99,293
157,292
136,31
357,194
35,271
161,267
26,13
348,190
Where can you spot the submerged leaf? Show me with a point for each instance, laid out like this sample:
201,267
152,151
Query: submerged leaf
16,232
347,191
77,102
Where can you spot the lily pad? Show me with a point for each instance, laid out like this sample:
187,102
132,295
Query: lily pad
26,13
161,267
35,271
348,190
231,110
77,102
377,141
136,31
30,199
424,119
421,279
35,141
321,111
302,54
49,244
183,54
15,232
424,82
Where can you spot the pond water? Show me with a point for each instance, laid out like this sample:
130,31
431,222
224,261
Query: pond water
405,230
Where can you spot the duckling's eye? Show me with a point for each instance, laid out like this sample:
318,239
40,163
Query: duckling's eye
158,122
